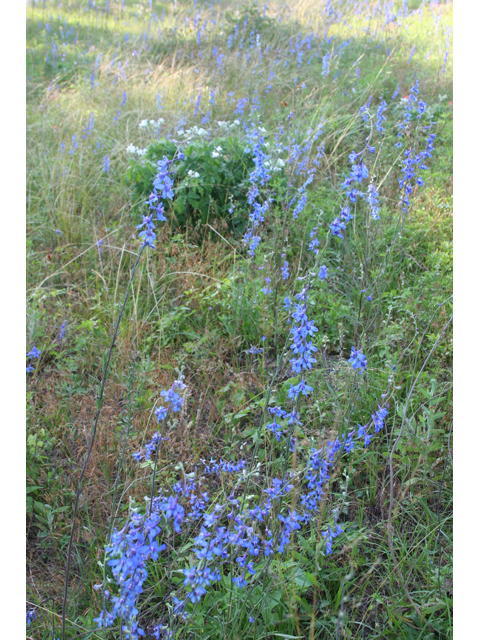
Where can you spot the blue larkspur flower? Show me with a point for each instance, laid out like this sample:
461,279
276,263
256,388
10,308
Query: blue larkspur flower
31,615
323,272
336,226
357,359
34,352
62,330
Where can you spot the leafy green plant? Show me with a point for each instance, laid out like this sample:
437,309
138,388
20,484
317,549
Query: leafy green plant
210,181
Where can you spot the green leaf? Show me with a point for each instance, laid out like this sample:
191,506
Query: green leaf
33,488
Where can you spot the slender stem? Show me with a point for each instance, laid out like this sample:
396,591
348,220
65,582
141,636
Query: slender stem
93,432
390,506
438,516
156,460
130,383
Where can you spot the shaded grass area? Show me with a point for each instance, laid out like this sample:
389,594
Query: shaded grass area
195,306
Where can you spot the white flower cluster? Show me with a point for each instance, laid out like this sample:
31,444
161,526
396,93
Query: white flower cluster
228,125
133,149
191,133
274,165
216,152
193,174
145,124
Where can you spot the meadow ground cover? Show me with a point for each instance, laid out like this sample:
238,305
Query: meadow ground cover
239,319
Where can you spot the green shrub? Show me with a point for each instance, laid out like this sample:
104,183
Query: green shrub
211,181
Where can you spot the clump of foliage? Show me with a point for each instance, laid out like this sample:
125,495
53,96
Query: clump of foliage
211,181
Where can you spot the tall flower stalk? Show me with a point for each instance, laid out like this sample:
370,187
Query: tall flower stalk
163,185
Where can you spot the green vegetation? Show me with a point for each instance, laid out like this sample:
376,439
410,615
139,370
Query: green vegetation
112,87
